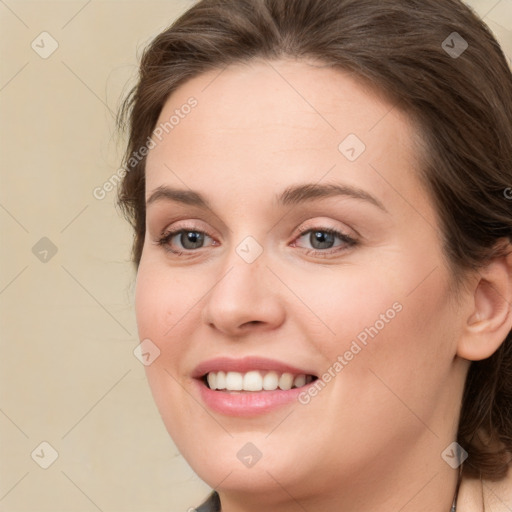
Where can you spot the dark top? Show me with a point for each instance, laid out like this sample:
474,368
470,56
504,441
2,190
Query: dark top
212,504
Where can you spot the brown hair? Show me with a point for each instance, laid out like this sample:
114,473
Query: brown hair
459,98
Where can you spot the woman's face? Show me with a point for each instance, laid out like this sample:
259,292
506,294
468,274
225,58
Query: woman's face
316,247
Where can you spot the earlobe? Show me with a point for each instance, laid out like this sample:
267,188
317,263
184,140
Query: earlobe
490,320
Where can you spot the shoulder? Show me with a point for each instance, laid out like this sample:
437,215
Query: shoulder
212,504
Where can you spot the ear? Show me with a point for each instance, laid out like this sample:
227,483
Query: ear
490,319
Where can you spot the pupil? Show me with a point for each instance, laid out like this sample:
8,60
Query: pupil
324,239
192,239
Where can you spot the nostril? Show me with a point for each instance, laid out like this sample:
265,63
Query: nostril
253,322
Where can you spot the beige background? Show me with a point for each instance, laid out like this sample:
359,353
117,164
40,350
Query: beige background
68,375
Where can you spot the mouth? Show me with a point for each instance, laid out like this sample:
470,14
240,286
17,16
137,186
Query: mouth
250,386
255,381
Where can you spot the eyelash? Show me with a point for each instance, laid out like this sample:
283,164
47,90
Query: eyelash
166,237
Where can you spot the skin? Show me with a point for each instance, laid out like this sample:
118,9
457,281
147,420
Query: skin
372,438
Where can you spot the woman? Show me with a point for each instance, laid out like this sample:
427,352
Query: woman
320,193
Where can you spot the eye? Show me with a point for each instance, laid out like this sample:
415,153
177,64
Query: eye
321,239
186,239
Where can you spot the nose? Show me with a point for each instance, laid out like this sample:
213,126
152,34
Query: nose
245,296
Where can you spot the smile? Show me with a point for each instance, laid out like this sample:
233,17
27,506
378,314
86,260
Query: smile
255,380
249,386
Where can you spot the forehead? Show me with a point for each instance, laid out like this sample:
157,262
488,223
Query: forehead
269,123
257,97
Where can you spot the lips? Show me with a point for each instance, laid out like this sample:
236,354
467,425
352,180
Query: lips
247,399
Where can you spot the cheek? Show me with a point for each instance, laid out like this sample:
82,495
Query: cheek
392,320
348,302
162,302
406,354
162,308
396,351
424,336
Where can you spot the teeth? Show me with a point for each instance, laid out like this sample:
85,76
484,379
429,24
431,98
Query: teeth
271,381
299,381
256,381
253,381
286,381
221,380
212,380
234,381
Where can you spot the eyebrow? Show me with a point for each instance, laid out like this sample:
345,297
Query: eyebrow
292,195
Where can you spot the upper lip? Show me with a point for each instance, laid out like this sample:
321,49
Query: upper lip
244,365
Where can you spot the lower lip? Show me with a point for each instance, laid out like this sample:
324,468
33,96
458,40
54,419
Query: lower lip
247,403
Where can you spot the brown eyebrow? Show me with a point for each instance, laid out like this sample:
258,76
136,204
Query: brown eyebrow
181,196
310,191
292,195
